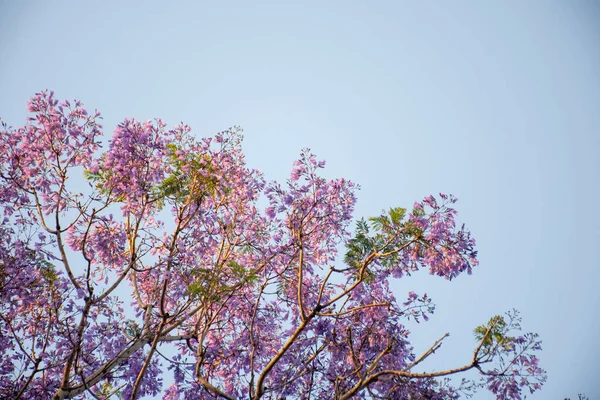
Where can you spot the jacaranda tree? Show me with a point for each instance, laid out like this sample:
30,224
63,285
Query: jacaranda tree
164,267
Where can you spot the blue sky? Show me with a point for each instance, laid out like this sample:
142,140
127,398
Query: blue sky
495,102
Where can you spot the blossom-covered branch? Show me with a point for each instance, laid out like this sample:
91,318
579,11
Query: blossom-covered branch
162,254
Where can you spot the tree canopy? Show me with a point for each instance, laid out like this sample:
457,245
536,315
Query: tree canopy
165,267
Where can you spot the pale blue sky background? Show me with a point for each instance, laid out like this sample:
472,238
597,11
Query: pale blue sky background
496,102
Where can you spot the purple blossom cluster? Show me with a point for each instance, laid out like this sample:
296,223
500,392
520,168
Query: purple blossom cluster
448,251
195,280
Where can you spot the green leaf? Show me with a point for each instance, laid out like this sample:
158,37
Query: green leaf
495,335
418,212
397,215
